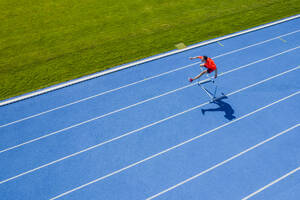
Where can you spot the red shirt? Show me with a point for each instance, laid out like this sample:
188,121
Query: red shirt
209,64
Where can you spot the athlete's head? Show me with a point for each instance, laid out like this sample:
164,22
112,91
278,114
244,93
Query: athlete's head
204,58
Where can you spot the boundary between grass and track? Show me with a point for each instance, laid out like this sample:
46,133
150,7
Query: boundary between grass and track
79,80
148,78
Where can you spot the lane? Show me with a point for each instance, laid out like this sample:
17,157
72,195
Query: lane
284,189
53,124
113,155
252,169
124,77
290,191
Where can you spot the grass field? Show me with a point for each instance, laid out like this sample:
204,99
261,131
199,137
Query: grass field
50,41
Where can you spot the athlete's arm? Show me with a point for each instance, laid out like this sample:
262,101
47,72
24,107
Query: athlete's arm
192,58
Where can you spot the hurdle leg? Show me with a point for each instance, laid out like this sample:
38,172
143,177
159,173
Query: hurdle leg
207,92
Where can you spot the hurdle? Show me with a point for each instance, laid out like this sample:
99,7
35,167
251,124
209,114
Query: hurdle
211,95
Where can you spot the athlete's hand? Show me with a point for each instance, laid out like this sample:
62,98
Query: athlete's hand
216,75
191,80
191,58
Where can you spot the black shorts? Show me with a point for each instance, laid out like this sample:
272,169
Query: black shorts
210,70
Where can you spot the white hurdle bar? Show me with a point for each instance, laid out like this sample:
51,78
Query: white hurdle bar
212,96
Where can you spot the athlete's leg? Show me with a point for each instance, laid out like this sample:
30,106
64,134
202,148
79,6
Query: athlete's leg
204,72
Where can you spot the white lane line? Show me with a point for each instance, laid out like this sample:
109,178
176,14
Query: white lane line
149,78
147,126
133,105
224,162
174,147
272,183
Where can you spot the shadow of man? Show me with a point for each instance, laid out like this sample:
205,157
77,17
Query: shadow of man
223,107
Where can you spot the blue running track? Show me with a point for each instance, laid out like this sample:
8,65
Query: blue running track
147,133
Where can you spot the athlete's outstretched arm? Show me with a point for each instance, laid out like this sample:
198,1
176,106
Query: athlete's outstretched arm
192,58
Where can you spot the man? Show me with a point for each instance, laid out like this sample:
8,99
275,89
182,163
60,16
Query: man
208,63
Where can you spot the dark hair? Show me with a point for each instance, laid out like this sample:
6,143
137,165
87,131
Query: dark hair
205,57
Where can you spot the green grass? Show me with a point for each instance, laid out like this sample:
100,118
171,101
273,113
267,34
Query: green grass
45,42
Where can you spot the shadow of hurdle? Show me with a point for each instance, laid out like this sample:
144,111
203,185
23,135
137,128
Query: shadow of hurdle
222,107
